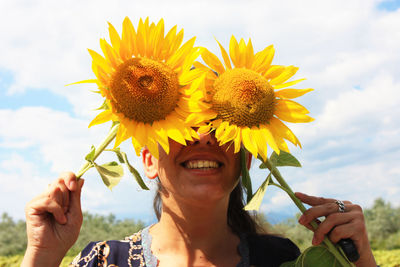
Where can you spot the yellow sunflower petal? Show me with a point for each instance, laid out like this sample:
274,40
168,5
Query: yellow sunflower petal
212,60
100,61
266,132
280,129
114,37
249,55
127,47
261,141
229,134
238,140
274,71
234,51
285,75
284,85
109,53
220,130
290,106
122,135
181,53
263,59
225,56
249,142
103,117
292,93
136,145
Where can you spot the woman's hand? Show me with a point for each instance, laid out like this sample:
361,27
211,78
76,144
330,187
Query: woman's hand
338,225
53,222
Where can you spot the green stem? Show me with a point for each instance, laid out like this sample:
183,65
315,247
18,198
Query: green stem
331,247
111,135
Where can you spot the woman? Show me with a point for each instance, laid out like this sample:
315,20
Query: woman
198,226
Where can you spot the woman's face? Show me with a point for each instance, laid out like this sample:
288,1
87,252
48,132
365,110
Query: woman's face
201,171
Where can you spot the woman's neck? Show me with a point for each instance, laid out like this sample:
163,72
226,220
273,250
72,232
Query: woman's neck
194,233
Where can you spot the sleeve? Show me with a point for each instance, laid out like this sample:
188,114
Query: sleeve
270,250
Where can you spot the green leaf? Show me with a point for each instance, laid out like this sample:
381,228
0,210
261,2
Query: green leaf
314,256
90,156
245,175
111,173
257,198
284,159
123,158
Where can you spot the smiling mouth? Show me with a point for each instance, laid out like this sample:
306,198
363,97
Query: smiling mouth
201,164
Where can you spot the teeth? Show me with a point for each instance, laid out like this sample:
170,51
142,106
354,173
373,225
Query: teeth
201,164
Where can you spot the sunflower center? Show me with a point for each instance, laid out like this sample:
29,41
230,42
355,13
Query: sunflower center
243,97
144,90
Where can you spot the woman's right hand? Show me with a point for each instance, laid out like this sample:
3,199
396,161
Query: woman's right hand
53,222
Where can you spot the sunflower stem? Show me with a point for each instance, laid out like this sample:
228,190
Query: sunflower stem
285,187
245,174
89,164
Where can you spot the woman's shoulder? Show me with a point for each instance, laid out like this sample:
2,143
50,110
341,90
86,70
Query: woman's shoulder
270,250
117,252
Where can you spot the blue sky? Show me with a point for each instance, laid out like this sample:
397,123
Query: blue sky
347,50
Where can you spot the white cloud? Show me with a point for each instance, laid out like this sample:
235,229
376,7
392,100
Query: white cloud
339,45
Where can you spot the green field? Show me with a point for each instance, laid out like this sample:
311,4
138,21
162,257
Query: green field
385,258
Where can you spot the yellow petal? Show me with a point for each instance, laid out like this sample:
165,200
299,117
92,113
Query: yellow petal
283,85
285,75
229,134
180,55
189,76
84,81
103,117
273,71
136,146
114,37
280,129
248,141
109,53
212,60
269,137
225,56
100,61
292,93
122,135
249,55
261,142
234,51
293,117
127,48
220,130
238,140
263,59
290,106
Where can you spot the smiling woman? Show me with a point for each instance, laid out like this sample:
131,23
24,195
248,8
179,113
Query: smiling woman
189,126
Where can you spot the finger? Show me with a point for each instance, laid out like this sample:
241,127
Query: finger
41,206
59,192
313,200
329,224
75,205
70,180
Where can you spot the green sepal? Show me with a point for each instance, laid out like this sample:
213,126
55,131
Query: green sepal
103,106
90,156
123,158
111,173
281,160
96,91
314,256
255,202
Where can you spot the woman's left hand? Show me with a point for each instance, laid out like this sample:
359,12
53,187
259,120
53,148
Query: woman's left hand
338,225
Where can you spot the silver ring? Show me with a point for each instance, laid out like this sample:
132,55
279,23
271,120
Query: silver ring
341,206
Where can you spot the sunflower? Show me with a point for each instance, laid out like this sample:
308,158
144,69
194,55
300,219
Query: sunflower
249,98
148,85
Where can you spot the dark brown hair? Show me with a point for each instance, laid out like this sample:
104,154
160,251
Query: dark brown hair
239,220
